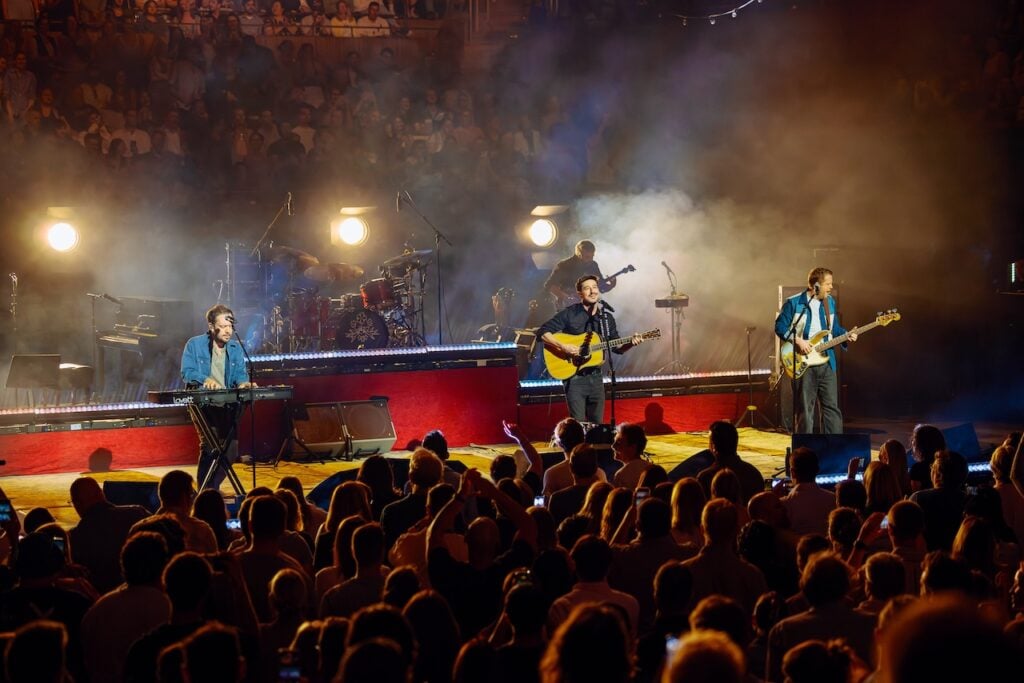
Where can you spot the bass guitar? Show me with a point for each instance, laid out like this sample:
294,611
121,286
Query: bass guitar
796,364
570,299
563,366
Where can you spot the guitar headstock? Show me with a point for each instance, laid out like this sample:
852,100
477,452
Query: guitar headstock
651,334
890,316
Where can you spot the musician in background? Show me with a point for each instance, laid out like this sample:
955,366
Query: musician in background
584,391
215,360
819,386
567,273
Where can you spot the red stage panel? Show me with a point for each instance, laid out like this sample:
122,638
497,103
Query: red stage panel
69,451
468,404
658,414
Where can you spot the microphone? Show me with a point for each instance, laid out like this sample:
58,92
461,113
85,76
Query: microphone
14,277
605,304
667,268
288,205
111,299
231,319
817,288
398,202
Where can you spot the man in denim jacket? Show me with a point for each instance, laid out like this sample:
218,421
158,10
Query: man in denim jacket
215,361
819,387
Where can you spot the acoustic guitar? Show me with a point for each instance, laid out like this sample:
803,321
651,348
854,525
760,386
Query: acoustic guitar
563,366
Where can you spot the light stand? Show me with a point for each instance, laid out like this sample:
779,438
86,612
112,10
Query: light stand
438,236
751,410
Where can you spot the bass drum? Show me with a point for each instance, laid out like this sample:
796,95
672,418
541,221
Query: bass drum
362,329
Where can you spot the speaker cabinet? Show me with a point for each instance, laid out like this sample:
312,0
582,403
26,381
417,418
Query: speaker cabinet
142,493
348,429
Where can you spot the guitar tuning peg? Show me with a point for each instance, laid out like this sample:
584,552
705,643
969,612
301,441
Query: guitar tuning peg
878,314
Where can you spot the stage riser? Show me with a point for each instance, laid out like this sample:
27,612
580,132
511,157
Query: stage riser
69,451
468,404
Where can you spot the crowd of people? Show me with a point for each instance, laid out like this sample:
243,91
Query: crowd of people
247,103
597,567
199,104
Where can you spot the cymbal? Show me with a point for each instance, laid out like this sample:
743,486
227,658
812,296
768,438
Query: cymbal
298,259
333,272
411,259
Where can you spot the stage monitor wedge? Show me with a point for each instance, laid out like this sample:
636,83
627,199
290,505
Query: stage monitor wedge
834,452
348,429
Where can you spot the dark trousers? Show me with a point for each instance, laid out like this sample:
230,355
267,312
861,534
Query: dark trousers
585,396
819,388
222,420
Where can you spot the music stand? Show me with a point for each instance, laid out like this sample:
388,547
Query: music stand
34,371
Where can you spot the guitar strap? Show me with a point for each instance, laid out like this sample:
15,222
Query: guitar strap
828,315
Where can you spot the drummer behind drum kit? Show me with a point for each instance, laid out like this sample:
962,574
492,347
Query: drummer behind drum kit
289,292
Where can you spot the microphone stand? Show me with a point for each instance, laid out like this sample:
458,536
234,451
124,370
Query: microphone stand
280,210
602,321
252,405
438,236
13,308
797,318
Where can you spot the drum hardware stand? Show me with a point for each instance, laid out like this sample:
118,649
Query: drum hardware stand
752,412
438,236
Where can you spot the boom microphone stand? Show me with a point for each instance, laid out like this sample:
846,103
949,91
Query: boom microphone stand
252,403
438,236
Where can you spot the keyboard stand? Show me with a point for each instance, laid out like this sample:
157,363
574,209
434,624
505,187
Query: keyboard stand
209,438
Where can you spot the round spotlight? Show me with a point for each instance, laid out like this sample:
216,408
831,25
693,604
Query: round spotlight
352,231
543,232
62,237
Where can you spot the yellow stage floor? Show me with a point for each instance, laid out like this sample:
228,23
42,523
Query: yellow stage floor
765,450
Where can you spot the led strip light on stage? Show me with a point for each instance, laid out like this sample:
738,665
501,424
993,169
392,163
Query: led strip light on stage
383,353
666,379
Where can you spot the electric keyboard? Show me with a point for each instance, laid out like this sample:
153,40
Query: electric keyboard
219,397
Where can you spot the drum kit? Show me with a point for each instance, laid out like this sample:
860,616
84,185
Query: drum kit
303,308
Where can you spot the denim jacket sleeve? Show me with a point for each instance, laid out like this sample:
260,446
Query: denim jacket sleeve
195,360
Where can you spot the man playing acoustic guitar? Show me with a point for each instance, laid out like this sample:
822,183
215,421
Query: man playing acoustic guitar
584,389
819,385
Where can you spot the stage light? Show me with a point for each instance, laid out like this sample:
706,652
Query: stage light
62,237
543,232
351,231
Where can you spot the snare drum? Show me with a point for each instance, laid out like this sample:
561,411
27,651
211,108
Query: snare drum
362,329
378,294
